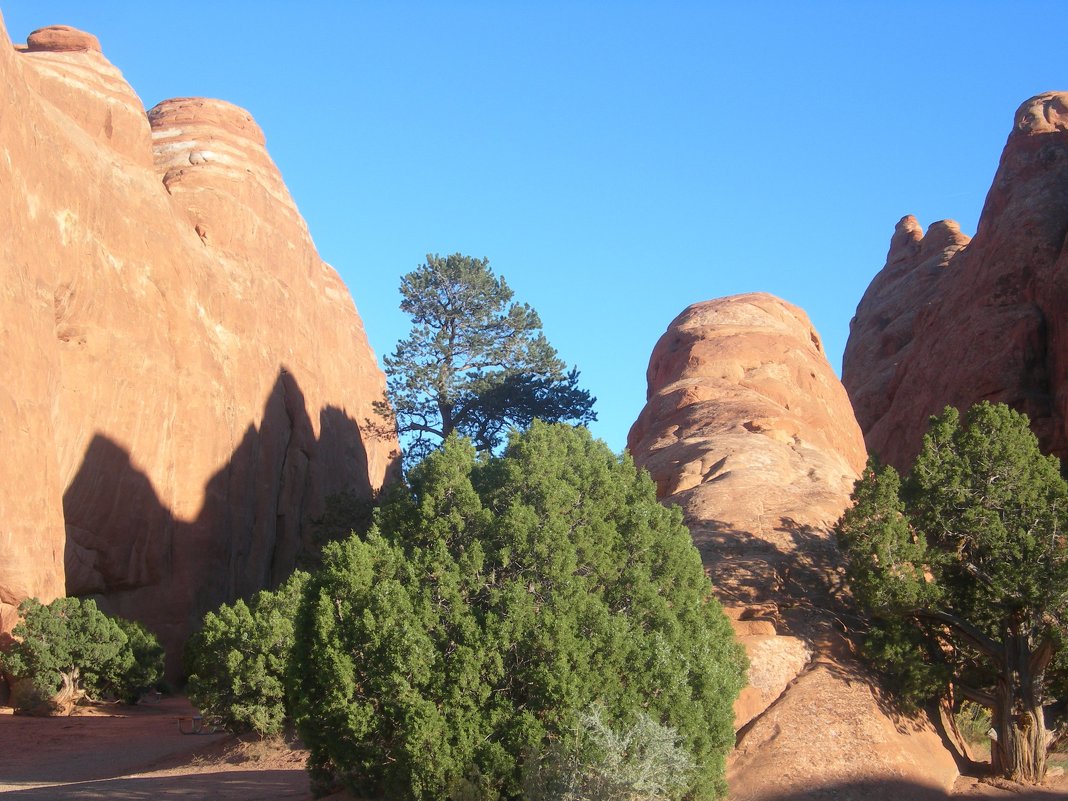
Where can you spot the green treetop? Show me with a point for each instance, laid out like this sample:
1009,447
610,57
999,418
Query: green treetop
964,567
475,363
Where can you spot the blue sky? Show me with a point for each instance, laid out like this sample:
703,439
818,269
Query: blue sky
616,162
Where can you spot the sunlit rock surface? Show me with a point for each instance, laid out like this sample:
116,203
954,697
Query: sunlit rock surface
749,431
186,380
952,321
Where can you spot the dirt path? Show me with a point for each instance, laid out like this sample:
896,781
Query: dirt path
969,787
133,753
138,754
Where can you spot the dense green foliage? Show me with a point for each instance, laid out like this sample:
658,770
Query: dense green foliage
135,669
475,363
69,647
493,603
964,567
237,661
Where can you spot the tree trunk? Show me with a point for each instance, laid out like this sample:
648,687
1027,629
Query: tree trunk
64,701
1019,752
445,409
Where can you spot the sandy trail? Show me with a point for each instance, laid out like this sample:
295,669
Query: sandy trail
137,754
129,753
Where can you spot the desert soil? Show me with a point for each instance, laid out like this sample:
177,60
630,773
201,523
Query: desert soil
137,753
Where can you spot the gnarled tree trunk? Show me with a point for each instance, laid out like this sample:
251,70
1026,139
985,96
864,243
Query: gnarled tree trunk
64,701
1019,753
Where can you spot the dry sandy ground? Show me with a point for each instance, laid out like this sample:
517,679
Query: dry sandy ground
135,753
138,754
1055,788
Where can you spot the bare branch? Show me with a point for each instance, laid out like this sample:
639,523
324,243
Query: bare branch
975,696
966,630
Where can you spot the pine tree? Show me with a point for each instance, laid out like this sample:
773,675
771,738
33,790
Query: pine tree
475,363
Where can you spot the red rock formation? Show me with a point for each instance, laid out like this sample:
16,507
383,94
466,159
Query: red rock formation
952,321
186,379
749,431
831,736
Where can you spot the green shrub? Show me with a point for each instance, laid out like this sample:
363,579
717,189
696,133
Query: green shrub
69,648
27,696
963,568
642,763
236,662
135,669
494,603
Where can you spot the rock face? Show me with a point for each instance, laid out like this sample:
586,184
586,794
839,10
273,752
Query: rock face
952,321
187,381
749,431
832,736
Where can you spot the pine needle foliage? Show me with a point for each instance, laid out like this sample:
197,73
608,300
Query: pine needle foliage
475,363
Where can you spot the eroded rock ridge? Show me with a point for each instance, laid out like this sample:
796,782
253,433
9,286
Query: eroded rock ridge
951,320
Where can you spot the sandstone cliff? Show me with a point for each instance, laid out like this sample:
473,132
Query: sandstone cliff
749,431
186,380
954,321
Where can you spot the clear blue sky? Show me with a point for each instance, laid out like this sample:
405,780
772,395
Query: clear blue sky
615,161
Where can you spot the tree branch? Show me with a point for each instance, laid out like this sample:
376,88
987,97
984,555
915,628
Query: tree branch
975,696
1042,656
966,630
421,427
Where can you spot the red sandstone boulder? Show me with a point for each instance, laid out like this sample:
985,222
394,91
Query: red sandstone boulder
749,431
832,735
952,321
775,660
61,38
186,380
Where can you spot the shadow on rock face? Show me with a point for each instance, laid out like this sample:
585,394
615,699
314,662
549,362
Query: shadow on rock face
796,566
128,550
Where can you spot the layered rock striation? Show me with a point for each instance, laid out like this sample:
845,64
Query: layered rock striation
951,320
187,381
749,431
